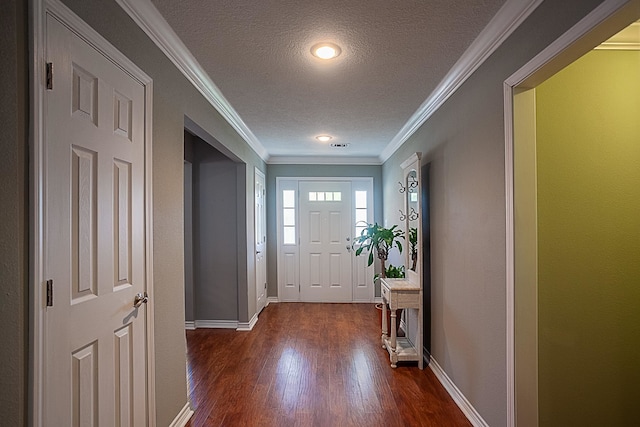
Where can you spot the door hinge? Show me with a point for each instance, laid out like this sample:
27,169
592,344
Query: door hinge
50,293
49,78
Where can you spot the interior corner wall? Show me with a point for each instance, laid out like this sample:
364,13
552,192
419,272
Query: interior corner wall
464,143
189,299
588,150
189,311
14,214
174,98
317,171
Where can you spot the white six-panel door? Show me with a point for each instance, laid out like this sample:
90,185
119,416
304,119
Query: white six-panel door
261,240
95,370
325,235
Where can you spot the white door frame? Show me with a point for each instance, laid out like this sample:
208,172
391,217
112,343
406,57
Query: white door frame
37,301
290,183
603,21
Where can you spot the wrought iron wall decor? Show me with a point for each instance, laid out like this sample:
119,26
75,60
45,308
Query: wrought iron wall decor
413,215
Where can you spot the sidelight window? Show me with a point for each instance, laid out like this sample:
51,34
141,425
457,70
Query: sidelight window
361,213
289,217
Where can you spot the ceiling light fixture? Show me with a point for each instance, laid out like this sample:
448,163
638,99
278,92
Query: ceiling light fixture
324,138
325,50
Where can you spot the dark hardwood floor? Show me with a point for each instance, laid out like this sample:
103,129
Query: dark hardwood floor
310,365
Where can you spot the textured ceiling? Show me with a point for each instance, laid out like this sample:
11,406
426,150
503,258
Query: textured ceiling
394,54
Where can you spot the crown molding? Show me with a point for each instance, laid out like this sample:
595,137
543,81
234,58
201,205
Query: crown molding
618,46
627,39
149,19
323,160
582,37
505,22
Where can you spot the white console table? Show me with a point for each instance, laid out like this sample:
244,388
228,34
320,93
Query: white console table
401,293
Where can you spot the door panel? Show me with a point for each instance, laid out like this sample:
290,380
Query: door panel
94,340
325,230
261,241
362,279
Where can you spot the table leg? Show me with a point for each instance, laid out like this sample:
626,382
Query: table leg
393,355
385,327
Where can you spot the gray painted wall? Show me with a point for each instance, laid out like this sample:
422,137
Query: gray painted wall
274,171
13,213
214,234
464,142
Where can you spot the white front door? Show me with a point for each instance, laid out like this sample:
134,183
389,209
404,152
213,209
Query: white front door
325,238
95,368
261,240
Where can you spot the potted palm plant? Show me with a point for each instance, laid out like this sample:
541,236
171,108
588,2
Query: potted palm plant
380,240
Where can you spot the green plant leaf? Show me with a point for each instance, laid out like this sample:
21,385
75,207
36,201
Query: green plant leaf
374,238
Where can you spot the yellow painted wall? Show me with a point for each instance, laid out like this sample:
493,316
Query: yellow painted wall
588,149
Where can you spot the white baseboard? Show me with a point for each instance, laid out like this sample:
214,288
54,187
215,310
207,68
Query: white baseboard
189,325
465,406
247,326
183,416
216,324
223,324
275,300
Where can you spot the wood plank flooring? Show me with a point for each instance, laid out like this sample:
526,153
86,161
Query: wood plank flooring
310,365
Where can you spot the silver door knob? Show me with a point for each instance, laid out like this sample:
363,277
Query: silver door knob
140,299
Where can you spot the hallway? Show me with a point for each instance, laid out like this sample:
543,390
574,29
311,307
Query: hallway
310,365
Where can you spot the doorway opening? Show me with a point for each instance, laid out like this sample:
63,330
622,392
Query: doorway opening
214,226
573,153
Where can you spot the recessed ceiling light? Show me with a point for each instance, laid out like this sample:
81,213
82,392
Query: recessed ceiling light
325,50
324,138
